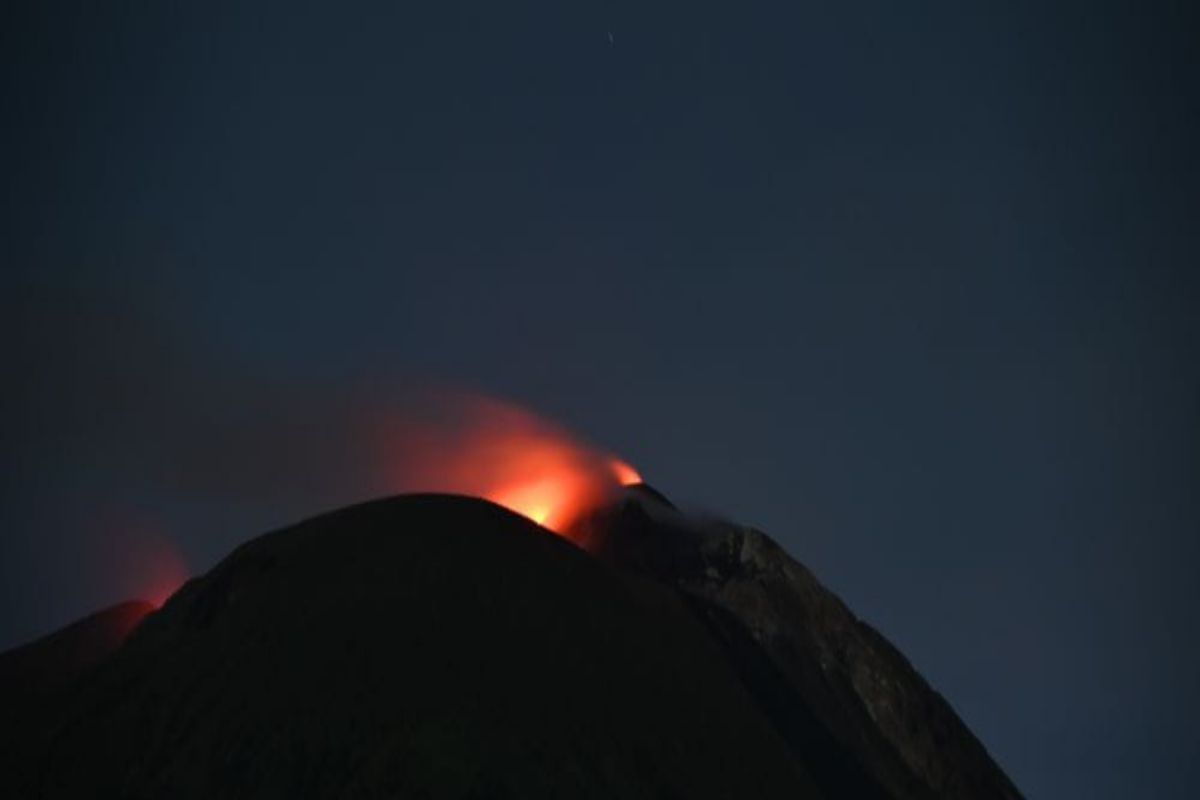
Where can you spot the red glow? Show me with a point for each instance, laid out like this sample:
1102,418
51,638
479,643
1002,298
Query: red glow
482,447
166,574
139,560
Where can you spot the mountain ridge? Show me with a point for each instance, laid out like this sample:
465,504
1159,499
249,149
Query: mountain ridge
456,649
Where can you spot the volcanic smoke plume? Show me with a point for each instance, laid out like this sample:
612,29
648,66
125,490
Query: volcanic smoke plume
440,645
472,445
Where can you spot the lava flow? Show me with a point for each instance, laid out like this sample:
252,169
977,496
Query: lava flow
489,449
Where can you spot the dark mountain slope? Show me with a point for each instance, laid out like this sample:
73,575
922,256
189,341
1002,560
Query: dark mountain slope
854,711
41,674
53,661
422,646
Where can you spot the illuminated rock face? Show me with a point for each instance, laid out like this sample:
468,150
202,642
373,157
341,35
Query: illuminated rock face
446,647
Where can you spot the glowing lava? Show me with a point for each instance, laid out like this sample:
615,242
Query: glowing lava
625,474
483,447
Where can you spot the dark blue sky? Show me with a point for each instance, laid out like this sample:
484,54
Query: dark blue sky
913,289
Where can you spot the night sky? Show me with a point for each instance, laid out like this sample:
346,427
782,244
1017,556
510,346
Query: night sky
911,287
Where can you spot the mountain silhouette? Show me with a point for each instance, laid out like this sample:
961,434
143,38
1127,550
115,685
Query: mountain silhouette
443,646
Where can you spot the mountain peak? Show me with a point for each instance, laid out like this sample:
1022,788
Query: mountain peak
444,646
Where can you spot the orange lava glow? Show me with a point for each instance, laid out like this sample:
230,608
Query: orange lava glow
625,474
483,447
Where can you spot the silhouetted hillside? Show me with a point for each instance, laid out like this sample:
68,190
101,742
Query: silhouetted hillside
441,646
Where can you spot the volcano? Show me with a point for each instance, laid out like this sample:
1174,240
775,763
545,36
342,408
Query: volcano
444,646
